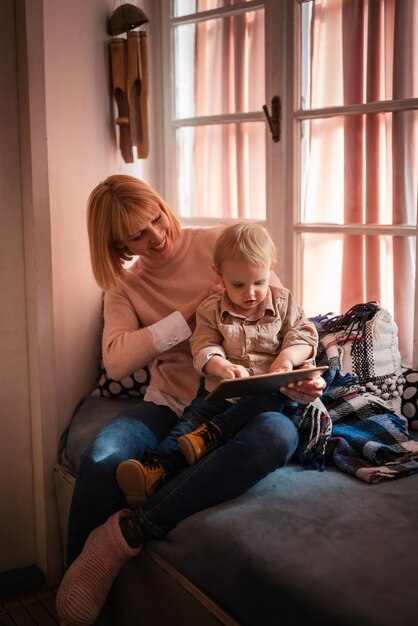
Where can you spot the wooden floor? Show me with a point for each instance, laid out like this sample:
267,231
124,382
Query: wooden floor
38,608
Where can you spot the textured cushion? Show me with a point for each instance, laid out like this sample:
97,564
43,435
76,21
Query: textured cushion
133,386
364,342
410,398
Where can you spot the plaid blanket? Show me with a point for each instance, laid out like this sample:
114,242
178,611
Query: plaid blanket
352,426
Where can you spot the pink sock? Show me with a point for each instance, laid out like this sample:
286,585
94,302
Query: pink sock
84,588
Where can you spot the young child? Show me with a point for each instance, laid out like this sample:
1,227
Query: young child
249,328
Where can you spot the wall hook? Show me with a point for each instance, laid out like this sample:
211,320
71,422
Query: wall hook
274,119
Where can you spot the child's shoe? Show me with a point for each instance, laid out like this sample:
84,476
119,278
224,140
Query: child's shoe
199,442
138,481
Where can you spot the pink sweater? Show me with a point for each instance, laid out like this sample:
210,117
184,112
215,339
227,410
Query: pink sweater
150,291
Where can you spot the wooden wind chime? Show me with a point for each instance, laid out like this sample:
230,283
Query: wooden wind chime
129,69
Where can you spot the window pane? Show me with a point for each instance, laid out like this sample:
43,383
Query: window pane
221,171
187,7
219,66
360,169
374,267
354,53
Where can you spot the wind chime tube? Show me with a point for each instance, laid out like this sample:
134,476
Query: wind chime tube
143,148
119,78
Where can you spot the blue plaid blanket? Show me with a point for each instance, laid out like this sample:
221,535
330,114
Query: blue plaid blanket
353,428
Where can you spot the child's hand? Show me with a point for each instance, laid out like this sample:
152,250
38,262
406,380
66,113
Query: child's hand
234,371
281,365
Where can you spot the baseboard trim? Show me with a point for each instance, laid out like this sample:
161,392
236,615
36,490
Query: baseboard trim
20,581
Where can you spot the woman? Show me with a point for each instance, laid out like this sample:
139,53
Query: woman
148,318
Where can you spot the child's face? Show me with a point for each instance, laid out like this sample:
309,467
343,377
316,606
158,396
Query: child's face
246,284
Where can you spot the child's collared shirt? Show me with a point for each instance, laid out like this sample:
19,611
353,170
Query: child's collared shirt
252,343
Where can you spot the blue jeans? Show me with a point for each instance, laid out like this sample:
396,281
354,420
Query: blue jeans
265,443
229,417
96,493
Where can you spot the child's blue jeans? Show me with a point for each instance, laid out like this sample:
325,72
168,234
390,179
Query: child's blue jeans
230,417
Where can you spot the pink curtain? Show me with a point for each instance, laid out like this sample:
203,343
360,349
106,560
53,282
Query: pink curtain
379,151
230,179
362,168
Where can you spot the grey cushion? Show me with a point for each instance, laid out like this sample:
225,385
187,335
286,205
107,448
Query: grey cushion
307,547
322,548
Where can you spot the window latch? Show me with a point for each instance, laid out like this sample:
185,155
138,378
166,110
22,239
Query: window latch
274,119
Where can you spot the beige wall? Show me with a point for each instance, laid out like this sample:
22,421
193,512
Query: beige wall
68,144
17,538
81,151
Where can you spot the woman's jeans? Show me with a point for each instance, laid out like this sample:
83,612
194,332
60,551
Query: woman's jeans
264,443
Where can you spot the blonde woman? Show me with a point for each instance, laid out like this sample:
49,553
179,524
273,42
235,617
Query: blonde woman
149,314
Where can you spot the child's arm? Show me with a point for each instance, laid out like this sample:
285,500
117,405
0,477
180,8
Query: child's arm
219,366
300,338
291,357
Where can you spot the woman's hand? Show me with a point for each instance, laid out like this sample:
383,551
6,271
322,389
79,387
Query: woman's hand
304,391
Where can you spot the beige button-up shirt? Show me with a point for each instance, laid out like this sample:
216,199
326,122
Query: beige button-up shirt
253,343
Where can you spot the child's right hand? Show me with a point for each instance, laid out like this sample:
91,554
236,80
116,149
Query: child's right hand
234,371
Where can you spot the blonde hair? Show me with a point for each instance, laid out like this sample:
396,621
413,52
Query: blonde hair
116,208
250,242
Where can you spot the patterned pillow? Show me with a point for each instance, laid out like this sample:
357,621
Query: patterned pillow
364,342
133,386
410,397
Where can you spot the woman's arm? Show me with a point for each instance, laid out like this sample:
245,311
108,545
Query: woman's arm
126,345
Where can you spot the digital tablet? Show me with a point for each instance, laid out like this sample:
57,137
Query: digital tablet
261,383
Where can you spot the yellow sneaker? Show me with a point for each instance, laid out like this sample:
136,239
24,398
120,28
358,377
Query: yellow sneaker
138,481
199,442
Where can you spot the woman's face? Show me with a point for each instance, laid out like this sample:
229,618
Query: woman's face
153,240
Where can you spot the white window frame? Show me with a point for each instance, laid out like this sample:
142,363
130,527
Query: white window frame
299,228
282,158
273,11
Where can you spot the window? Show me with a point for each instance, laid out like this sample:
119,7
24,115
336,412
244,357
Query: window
216,110
356,127
338,192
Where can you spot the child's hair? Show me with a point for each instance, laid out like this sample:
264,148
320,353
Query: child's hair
250,242
118,207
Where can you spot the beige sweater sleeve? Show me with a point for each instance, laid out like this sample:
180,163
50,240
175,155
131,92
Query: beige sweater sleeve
125,345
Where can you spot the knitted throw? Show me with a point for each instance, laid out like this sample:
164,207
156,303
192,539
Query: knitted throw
357,425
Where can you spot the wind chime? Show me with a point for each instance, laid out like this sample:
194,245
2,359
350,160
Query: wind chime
129,69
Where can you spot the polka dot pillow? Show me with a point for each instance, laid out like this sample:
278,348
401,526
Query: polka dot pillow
129,387
410,398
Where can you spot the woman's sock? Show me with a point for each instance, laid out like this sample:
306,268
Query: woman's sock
85,586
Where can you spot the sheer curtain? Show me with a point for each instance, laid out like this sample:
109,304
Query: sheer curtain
366,51
360,169
230,79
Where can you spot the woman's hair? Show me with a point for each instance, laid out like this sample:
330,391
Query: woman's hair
118,207
250,242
